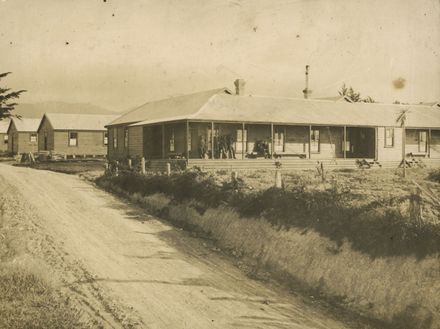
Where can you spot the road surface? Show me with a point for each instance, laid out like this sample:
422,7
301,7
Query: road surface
132,270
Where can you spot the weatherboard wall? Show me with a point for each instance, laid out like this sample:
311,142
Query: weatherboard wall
135,140
435,144
20,142
3,143
89,143
45,136
388,153
120,151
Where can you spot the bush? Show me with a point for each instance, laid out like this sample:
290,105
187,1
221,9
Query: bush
379,228
434,176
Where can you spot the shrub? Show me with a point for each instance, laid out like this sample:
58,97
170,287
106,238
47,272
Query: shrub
434,175
380,228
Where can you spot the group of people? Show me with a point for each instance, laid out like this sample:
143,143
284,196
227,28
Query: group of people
224,147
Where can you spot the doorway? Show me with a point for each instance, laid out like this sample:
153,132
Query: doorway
361,143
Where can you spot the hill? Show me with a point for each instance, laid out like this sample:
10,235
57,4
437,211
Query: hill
36,110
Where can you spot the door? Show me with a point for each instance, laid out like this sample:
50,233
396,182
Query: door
278,139
423,141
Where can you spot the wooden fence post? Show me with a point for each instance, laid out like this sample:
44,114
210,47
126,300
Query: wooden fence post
143,165
168,169
129,164
278,179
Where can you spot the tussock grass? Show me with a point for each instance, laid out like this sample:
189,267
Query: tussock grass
29,298
370,257
28,301
401,292
378,227
434,176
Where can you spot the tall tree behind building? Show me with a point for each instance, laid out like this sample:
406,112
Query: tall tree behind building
7,99
353,96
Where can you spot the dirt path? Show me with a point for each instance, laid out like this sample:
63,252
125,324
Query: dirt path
133,270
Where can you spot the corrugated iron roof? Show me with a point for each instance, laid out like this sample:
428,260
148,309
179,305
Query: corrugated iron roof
261,109
65,121
174,107
25,124
4,124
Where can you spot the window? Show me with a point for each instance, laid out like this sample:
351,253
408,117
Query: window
278,140
73,138
172,141
105,138
241,139
6,139
389,137
314,141
115,138
422,141
189,137
126,137
33,138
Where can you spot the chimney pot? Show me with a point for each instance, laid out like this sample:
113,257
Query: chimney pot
239,86
306,90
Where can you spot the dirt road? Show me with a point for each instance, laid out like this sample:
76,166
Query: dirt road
131,270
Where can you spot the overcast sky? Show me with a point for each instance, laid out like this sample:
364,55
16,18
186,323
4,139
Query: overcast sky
119,53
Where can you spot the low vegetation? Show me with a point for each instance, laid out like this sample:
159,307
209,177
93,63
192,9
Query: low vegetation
27,301
365,240
28,297
69,166
434,176
382,226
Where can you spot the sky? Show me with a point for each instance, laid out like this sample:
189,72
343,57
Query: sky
119,54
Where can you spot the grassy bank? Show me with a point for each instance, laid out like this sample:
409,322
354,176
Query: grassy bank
69,166
367,253
28,301
28,297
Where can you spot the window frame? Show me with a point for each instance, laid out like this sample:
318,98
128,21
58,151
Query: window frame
313,140
172,141
419,140
69,138
386,145
6,139
105,138
115,138
33,135
126,136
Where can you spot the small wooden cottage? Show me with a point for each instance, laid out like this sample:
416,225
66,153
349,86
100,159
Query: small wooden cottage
4,138
217,126
22,135
74,134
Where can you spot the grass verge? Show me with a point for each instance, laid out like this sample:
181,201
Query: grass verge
371,258
28,296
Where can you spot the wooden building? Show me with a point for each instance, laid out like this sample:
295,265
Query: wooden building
22,135
218,126
74,134
4,138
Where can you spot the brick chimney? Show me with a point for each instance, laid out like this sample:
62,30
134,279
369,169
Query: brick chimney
239,86
306,90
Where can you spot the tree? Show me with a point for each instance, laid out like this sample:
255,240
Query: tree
7,98
354,97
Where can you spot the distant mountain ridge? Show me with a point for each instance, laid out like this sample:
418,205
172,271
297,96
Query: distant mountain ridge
36,110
